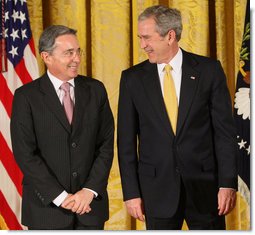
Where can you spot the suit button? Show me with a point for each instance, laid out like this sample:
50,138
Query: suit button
177,170
74,145
74,174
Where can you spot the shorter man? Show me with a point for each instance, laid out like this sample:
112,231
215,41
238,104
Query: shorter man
62,134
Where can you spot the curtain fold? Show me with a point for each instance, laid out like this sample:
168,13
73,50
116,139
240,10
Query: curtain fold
110,44
107,32
195,18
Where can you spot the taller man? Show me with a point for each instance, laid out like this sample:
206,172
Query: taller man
176,134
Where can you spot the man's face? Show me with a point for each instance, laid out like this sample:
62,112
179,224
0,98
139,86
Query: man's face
156,46
64,61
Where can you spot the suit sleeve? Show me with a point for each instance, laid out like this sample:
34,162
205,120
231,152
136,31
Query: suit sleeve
224,130
128,127
36,173
99,173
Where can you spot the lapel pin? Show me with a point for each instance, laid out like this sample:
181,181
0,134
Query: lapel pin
192,77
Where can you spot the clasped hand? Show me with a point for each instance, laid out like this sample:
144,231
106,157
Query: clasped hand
79,202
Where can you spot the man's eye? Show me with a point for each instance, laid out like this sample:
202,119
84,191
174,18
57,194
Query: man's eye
69,53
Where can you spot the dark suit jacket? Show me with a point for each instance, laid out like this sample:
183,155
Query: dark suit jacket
203,152
54,156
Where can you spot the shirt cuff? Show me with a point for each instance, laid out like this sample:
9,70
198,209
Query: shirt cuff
60,198
95,193
228,188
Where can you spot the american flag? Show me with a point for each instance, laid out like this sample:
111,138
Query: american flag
18,66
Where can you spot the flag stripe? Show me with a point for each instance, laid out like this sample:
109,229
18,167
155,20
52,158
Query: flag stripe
22,72
10,193
32,47
21,68
12,79
5,124
10,165
30,60
5,95
9,216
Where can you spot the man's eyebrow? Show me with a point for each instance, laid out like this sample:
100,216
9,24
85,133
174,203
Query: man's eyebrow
143,36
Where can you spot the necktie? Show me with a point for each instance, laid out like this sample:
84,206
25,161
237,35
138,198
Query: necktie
170,97
67,101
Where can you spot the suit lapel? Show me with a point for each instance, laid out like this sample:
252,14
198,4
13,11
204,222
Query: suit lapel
82,95
52,101
152,87
189,84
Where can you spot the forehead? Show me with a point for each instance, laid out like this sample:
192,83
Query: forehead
147,26
67,41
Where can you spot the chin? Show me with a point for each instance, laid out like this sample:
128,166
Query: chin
73,75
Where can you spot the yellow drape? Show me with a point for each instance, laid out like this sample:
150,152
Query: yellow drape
3,225
107,31
109,56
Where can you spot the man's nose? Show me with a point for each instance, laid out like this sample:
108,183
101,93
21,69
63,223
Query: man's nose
77,57
142,43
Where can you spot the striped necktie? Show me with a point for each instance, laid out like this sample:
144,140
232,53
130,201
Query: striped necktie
67,101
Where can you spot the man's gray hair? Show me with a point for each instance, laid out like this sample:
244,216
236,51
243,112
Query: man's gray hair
49,35
166,19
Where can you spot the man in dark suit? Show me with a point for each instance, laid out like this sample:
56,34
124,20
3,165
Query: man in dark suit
63,140
171,172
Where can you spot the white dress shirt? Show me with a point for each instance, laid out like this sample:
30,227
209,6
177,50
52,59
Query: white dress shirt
176,64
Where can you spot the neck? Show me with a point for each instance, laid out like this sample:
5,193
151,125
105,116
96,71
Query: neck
172,54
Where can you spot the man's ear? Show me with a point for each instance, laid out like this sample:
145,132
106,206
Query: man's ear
46,57
171,36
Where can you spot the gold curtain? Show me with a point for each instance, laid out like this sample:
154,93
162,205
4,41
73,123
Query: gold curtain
107,32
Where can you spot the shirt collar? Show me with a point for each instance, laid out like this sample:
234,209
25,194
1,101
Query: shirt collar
57,82
176,63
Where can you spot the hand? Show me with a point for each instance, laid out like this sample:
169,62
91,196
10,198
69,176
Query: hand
226,200
68,205
81,202
135,208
